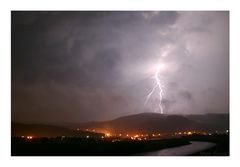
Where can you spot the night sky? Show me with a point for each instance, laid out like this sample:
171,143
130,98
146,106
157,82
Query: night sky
87,66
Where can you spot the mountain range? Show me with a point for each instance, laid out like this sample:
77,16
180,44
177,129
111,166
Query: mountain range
131,124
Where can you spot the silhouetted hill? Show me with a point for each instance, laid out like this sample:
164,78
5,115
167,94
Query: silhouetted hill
155,122
39,130
131,124
216,121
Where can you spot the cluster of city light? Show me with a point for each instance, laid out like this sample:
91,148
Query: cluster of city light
136,136
133,137
144,136
185,133
108,134
117,137
29,137
153,135
196,132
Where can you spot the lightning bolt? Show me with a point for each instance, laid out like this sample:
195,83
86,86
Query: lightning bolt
157,86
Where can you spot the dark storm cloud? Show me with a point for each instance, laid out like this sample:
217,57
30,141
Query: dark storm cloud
54,45
78,66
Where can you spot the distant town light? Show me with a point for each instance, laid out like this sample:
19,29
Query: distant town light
189,133
107,134
127,135
29,137
227,131
22,136
87,137
102,137
120,134
159,134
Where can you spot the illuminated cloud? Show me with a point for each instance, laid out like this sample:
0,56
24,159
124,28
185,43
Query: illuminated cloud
80,66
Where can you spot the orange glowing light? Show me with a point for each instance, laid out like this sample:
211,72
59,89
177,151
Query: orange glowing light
189,133
29,137
107,134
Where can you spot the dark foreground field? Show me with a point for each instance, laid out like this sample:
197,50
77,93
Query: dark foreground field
91,147
83,147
